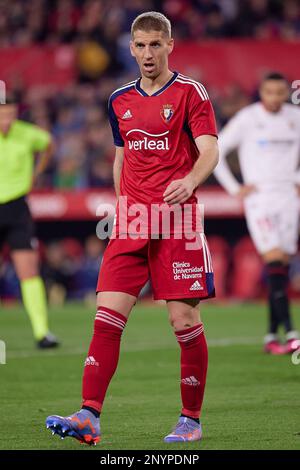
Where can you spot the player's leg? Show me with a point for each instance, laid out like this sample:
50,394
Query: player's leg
181,273
276,266
124,267
184,316
99,368
263,224
277,262
276,255
289,234
113,309
20,238
33,291
34,296
123,273
273,226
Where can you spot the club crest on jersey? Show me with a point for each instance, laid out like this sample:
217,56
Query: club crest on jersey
167,112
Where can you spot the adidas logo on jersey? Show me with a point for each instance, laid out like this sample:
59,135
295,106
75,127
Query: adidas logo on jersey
91,361
196,286
191,381
127,114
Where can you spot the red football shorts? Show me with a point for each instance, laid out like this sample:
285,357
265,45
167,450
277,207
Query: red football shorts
177,268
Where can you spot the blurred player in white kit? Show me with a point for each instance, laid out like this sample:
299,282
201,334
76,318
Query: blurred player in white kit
266,135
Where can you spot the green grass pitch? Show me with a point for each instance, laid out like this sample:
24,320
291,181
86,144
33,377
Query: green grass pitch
252,400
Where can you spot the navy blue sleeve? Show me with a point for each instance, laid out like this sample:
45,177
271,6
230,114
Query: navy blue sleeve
118,141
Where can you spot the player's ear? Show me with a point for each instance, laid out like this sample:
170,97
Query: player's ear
287,93
131,49
170,45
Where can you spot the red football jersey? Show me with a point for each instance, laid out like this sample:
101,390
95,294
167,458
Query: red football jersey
157,133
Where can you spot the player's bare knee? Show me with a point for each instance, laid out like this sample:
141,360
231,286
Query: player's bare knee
184,322
183,316
117,301
275,255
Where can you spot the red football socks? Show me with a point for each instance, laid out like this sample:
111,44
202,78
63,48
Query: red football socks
194,359
103,356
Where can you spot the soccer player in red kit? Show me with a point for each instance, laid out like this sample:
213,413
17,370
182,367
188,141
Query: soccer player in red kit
165,136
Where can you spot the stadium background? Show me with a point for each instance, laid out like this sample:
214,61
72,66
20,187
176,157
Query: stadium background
62,59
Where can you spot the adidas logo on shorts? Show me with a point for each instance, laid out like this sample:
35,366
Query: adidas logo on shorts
191,381
91,361
196,286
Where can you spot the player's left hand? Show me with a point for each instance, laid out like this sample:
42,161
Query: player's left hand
180,190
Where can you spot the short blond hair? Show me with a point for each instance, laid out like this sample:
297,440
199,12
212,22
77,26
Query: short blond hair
151,20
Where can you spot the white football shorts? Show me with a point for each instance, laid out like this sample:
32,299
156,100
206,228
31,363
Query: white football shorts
273,220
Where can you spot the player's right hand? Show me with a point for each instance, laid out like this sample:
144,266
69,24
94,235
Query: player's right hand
245,190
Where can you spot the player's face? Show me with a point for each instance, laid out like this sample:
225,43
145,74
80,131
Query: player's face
8,113
151,50
273,94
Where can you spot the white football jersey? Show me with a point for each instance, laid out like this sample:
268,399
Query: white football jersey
268,146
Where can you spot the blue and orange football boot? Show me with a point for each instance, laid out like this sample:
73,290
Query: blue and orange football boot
186,430
83,426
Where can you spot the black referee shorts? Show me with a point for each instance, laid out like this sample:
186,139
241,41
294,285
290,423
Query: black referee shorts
16,225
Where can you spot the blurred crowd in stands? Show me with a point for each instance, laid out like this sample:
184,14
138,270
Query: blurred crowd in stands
24,22
70,270
100,31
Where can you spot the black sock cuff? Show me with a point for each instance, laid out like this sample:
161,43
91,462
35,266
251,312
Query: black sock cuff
92,410
197,420
276,268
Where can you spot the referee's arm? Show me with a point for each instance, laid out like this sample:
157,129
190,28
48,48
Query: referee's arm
43,159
